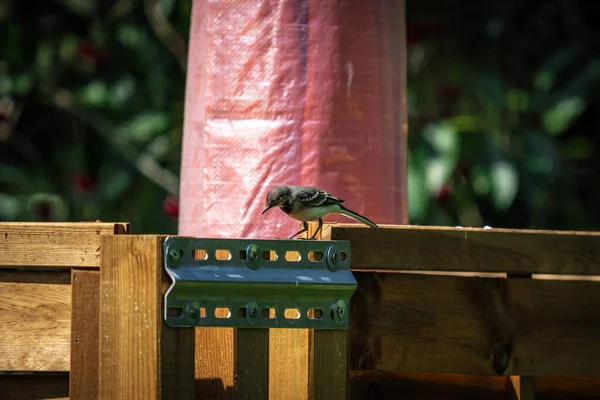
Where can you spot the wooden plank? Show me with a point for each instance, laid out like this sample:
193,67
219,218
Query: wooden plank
289,356
483,326
288,364
251,364
34,386
327,355
177,346
419,248
327,376
140,357
85,318
214,369
215,363
35,320
61,245
520,388
422,386
328,366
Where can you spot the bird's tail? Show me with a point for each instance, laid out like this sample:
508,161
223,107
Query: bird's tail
357,217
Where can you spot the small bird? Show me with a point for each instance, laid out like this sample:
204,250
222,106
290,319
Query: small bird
308,203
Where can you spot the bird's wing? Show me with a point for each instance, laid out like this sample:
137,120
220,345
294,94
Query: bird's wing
314,197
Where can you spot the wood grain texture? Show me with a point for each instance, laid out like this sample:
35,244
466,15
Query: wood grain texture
288,364
34,387
85,319
419,248
251,364
215,363
177,347
520,388
289,356
60,245
328,354
483,326
214,369
35,320
328,367
133,337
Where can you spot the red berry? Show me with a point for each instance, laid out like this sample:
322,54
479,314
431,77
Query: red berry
171,207
82,182
87,50
443,194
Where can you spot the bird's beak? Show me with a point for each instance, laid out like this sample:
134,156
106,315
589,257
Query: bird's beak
267,208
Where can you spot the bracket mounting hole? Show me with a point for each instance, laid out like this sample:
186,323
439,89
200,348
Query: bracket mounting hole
291,313
315,313
269,255
199,254
268,313
222,254
343,256
292,256
222,313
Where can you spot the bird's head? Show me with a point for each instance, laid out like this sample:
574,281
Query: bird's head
276,197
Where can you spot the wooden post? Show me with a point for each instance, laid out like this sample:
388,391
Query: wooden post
140,356
328,367
85,316
328,353
289,363
251,364
214,363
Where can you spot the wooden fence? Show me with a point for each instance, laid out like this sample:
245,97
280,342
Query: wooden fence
439,313
49,280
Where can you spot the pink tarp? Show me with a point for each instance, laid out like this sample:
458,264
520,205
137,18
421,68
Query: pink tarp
291,92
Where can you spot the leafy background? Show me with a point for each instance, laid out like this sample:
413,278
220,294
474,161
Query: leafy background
503,108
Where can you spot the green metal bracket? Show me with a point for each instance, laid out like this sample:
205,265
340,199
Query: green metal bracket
245,283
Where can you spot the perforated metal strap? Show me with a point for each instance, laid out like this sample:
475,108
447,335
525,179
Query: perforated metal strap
258,283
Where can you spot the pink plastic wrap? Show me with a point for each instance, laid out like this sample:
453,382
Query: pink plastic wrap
291,92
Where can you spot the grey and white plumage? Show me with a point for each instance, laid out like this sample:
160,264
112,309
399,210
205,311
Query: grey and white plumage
308,203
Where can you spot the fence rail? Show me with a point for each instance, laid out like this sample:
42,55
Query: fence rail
440,313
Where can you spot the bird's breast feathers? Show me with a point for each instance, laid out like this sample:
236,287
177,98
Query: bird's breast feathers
304,213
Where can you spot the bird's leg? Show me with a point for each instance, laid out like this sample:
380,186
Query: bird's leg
305,225
318,229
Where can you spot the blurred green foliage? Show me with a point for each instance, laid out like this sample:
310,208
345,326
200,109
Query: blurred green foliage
503,109
91,110
503,106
